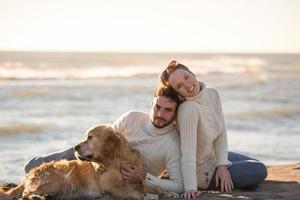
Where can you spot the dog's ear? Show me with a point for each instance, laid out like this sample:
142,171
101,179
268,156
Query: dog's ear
112,142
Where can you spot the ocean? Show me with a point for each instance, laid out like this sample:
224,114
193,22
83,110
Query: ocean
48,100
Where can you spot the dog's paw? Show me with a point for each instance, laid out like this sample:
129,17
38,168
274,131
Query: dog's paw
151,197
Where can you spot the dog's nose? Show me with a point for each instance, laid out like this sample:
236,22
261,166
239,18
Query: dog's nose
77,147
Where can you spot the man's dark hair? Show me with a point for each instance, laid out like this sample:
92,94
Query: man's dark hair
168,92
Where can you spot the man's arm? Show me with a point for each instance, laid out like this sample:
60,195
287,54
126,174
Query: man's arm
68,154
120,124
133,174
173,165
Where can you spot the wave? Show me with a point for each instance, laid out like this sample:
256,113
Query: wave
19,128
78,70
74,72
228,65
276,112
29,93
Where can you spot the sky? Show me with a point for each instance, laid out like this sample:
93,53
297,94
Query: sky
241,26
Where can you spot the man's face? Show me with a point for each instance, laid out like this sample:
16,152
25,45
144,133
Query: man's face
163,111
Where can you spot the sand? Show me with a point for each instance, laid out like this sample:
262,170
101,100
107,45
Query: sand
282,182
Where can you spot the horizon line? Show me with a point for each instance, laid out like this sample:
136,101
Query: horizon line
141,52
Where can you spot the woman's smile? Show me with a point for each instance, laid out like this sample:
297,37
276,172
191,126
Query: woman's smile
185,83
192,89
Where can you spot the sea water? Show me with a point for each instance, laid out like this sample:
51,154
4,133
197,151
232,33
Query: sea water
48,100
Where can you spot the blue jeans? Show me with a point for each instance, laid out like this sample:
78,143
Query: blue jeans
67,154
245,172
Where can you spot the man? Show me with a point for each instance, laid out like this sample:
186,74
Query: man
154,136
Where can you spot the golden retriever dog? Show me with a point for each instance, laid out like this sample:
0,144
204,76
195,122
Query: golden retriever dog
95,173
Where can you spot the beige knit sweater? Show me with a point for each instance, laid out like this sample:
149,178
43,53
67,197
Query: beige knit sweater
160,148
203,138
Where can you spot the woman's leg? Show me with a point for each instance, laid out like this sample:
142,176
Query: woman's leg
245,172
233,157
68,154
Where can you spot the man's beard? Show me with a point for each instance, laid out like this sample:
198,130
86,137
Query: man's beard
167,123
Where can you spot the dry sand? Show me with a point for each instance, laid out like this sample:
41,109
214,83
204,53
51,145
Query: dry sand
283,182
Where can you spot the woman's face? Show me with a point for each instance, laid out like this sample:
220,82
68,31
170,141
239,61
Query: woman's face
184,83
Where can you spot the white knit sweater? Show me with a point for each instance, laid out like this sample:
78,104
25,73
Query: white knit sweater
203,138
160,148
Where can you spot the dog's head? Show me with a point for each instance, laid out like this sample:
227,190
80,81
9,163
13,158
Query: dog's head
100,143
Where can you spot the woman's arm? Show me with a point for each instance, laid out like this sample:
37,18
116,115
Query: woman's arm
221,143
222,177
188,119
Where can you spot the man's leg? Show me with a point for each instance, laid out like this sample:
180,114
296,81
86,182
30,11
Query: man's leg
68,154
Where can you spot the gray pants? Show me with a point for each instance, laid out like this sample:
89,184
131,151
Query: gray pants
68,154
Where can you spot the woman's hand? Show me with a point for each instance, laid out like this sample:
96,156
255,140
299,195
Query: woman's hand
190,194
223,179
133,174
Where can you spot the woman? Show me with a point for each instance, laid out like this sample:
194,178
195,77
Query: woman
206,163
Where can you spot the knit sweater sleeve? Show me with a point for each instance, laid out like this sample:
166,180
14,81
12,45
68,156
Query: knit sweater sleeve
188,119
120,124
172,159
221,143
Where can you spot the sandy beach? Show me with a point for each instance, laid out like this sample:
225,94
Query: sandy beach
283,182
48,100
67,66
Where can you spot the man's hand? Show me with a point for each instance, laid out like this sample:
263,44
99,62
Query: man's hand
133,174
190,194
223,179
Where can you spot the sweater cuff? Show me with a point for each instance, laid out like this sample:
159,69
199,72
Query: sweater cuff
190,184
150,178
225,162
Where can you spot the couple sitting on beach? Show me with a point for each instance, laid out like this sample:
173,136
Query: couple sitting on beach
193,150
